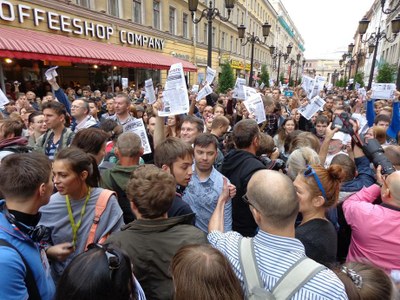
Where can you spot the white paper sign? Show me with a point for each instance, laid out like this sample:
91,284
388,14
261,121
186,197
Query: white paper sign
206,90
238,91
318,86
255,106
3,99
51,73
310,109
262,85
137,126
175,95
210,75
383,90
362,122
362,93
150,93
307,84
195,88
124,82
248,91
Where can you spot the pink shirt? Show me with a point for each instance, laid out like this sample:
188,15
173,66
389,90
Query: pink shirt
375,234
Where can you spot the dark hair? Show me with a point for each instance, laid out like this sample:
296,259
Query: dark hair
322,119
282,131
347,164
205,139
383,118
267,145
89,276
21,174
244,132
202,272
33,115
90,140
169,150
11,127
194,120
79,162
151,202
375,284
59,109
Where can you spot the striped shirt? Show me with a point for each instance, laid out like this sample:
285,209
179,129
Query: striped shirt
275,255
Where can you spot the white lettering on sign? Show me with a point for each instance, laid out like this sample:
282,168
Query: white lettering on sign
63,23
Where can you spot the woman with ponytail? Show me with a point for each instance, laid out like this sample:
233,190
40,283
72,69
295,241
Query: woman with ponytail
317,190
74,210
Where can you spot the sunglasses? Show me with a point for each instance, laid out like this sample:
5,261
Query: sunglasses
311,172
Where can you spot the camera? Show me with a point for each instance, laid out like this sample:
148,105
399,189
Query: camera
342,122
375,153
274,164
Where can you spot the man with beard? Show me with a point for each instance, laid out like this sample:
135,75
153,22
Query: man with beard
206,184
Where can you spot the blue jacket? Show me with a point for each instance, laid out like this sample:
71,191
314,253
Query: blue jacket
365,177
394,126
12,268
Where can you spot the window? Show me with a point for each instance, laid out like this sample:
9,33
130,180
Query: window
223,40
137,11
156,14
171,20
84,3
205,33
213,35
231,45
185,26
113,7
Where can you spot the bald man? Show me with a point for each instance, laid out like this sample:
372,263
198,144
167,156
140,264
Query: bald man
274,208
375,228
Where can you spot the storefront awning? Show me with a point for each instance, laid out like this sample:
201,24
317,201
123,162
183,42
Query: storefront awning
34,45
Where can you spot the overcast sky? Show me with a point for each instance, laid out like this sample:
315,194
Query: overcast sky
327,26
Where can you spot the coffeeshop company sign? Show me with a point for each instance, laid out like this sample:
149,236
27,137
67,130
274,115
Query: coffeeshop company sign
25,14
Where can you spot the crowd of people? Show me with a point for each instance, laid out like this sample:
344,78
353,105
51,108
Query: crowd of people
221,208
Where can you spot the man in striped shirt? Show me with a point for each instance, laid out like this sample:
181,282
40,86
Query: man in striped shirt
274,207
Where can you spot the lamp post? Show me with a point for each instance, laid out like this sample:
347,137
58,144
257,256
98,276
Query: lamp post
374,39
275,53
291,63
388,10
210,13
253,39
298,56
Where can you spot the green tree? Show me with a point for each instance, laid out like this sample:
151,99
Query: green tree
281,79
386,73
359,78
264,77
226,79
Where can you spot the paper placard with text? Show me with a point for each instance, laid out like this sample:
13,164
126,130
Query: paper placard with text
238,91
383,90
255,106
150,93
137,126
205,91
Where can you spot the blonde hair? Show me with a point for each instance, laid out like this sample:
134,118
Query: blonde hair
299,159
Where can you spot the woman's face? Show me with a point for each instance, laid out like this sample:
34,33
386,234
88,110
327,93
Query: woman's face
303,194
284,112
145,117
171,121
289,126
38,125
65,179
219,111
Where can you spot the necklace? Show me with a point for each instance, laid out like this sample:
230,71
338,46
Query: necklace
75,226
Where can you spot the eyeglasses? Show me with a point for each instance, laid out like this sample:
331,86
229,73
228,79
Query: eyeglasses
113,258
311,172
246,200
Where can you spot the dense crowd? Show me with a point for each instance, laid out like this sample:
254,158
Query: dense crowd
220,208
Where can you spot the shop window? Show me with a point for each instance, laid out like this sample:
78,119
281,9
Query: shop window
113,7
156,14
172,20
185,29
137,11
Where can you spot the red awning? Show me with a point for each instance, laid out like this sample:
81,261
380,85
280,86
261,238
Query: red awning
34,45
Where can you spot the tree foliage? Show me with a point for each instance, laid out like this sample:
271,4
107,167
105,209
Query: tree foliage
386,73
359,78
227,78
264,76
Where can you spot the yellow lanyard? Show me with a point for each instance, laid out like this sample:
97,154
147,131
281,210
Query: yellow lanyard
75,227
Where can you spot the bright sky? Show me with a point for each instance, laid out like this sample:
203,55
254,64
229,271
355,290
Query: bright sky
327,26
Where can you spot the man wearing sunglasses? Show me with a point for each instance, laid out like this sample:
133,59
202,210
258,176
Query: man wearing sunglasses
275,248
375,228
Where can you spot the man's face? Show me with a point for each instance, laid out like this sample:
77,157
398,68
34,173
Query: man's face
204,157
151,125
201,105
181,169
30,96
51,118
321,129
208,110
110,106
329,104
86,93
78,110
189,132
383,124
335,146
121,106
93,109
275,94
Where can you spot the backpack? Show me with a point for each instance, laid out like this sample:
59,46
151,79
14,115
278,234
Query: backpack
123,202
101,205
30,281
290,282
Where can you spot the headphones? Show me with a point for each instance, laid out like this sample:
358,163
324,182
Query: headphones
36,233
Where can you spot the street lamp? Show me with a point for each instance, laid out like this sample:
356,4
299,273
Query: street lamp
291,63
275,53
253,39
298,56
389,11
210,13
375,37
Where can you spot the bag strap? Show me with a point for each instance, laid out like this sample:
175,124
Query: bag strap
295,277
101,205
251,275
30,281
